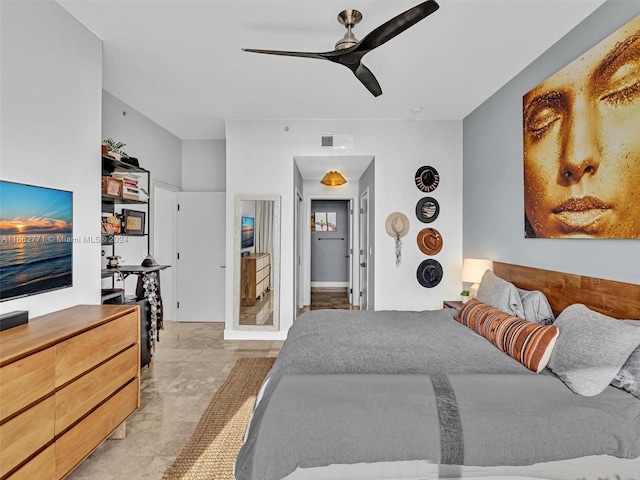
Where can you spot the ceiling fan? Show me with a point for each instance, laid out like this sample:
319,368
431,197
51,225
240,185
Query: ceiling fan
349,50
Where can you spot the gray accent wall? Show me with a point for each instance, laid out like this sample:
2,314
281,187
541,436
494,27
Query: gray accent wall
493,202
330,250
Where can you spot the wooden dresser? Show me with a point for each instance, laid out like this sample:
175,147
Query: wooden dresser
256,277
67,381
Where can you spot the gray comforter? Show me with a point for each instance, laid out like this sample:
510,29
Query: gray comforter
433,390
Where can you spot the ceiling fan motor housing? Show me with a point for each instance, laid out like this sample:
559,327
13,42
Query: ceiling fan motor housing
349,18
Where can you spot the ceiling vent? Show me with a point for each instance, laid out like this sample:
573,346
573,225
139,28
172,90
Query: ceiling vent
341,141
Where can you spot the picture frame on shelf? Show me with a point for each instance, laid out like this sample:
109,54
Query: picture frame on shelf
133,222
112,186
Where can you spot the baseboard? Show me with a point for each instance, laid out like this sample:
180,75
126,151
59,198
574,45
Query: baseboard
329,284
254,335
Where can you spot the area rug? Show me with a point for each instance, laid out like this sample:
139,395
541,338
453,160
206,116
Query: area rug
214,445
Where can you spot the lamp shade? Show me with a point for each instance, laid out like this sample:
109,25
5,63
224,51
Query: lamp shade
474,268
333,179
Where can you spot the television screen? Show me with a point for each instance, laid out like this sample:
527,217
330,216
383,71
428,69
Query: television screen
36,239
247,232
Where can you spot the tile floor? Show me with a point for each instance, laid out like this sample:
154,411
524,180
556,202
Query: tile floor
329,297
190,363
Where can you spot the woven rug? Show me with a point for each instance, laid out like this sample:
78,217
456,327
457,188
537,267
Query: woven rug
214,445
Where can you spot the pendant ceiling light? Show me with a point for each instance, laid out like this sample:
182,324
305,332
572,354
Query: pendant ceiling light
333,179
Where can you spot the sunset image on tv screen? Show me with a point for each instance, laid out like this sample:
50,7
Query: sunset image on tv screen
36,239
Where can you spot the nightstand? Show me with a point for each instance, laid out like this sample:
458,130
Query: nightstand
456,304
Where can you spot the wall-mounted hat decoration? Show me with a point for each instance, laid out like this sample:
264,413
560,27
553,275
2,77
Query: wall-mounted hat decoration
429,273
397,226
429,241
427,179
427,209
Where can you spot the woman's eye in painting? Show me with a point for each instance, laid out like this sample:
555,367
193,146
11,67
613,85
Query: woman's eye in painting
541,119
624,85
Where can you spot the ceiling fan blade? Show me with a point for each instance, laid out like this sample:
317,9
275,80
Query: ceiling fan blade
368,80
396,26
287,54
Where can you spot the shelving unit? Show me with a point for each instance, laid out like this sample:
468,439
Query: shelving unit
122,244
115,244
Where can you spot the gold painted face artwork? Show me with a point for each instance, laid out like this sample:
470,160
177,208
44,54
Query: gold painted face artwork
582,144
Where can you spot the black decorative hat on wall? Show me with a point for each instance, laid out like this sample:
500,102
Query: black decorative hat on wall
427,179
429,273
427,209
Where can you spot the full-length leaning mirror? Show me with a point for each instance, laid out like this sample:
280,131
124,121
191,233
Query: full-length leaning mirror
256,286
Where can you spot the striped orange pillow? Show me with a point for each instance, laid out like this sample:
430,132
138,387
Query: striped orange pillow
529,343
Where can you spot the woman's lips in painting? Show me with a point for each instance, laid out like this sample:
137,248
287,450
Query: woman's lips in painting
578,213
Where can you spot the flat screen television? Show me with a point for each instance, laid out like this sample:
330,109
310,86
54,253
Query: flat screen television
36,239
247,232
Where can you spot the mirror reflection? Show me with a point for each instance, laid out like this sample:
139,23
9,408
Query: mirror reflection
258,258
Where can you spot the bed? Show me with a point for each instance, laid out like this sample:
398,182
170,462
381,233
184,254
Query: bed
417,395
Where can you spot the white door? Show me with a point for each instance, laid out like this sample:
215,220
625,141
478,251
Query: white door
298,214
165,206
201,257
364,248
350,251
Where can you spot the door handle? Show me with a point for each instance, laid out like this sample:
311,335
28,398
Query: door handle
223,266
363,264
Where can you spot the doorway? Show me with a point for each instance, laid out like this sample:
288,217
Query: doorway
201,258
331,247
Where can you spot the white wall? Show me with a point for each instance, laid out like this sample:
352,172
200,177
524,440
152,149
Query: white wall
51,97
203,165
156,149
493,170
260,161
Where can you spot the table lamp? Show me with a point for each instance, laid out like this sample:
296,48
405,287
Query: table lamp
472,271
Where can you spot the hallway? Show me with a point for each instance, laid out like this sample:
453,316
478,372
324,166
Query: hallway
329,298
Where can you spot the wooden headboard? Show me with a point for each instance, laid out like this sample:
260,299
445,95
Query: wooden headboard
616,299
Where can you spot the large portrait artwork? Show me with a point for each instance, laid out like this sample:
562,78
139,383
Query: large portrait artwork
581,130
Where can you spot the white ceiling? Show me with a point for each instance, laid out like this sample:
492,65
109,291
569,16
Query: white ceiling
180,63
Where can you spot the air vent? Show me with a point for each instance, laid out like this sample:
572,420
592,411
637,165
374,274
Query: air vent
342,141
327,141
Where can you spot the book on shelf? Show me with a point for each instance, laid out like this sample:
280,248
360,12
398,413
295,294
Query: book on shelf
130,188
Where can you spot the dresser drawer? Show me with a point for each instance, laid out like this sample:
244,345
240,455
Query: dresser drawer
25,434
25,381
84,437
83,352
262,262
261,274
42,467
79,397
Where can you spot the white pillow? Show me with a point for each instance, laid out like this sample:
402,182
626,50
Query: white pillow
591,349
536,306
500,294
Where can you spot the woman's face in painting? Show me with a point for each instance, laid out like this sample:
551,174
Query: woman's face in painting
582,144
